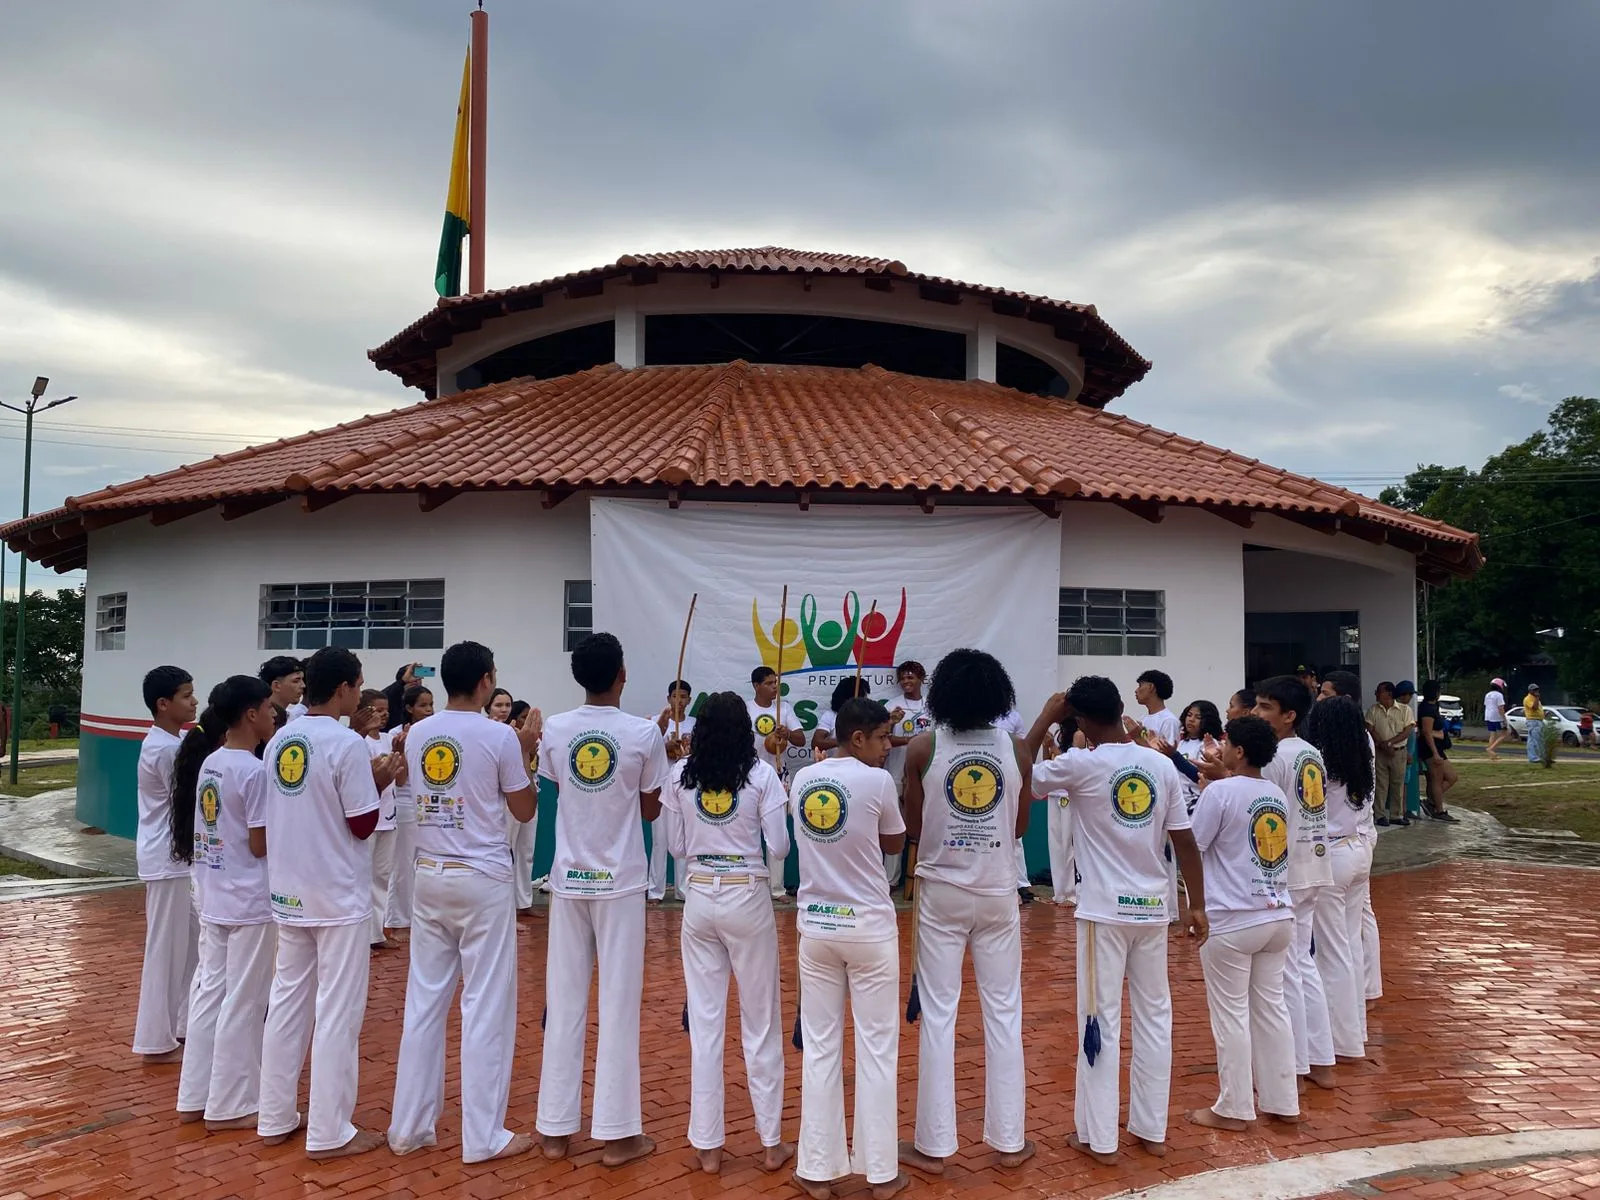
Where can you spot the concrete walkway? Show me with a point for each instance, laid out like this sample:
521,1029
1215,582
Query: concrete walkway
45,830
41,758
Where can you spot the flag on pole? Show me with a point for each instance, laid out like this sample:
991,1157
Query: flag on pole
457,220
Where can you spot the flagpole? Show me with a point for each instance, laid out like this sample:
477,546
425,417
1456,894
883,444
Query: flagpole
478,125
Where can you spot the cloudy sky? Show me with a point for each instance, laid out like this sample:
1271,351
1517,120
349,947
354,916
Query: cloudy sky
1352,235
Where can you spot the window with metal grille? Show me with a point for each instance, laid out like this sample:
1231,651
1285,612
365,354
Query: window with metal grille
578,612
1112,621
391,614
111,621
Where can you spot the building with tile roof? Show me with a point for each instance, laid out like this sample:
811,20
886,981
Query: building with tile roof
803,383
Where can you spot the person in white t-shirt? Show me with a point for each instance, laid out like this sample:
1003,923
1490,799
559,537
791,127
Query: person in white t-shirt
846,818
722,802
677,727
380,744
823,739
1126,803
1063,869
1298,770
1494,716
1152,690
219,789
1339,732
524,834
964,806
910,717
321,809
171,927
610,767
416,704
1241,825
287,679
772,739
466,773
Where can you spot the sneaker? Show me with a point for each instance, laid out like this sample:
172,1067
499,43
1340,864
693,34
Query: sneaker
1381,822
1446,816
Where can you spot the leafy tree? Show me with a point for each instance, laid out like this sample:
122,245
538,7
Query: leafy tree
1536,508
53,671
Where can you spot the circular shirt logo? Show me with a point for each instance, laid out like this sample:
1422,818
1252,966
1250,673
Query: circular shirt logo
765,724
822,809
1269,836
1309,781
1133,797
441,762
290,763
593,761
973,787
718,807
210,801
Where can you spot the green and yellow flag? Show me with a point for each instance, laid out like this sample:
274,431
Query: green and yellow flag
457,220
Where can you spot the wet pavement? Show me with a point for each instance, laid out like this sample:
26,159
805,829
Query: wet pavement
44,829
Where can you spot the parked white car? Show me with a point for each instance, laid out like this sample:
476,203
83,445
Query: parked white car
1554,715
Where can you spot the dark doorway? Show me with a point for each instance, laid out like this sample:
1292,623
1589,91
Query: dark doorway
1281,643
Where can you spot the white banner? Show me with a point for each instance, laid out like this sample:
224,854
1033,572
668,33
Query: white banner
869,584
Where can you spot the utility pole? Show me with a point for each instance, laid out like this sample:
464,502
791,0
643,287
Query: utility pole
21,649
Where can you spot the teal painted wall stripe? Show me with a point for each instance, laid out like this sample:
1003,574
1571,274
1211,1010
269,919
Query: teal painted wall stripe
108,796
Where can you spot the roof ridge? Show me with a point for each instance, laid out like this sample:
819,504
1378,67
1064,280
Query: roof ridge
689,459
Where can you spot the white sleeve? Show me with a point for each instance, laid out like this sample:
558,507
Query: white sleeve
255,798
547,759
774,808
672,821
890,818
1177,815
1051,776
1206,821
513,771
657,770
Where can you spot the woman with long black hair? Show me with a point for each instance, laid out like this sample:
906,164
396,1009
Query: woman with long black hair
1338,730
219,790
722,802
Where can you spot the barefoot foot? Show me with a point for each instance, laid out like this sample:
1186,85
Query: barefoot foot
710,1160
626,1150
189,1118
1283,1118
882,1191
278,1139
1322,1077
520,1143
1015,1158
364,1142
248,1121
1159,1149
918,1161
1210,1119
175,1055
776,1156
814,1188
554,1147
1082,1147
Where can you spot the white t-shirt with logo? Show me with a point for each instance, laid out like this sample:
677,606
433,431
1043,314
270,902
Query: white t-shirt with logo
153,843
601,758
913,720
1164,724
318,774
971,792
1343,820
764,721
1194,750
462,768
293,712
1494,706
1242,828
380,746
1298,771
1125,800
230,883
840,808
716,832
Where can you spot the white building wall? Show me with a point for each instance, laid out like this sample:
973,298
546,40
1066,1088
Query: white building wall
1195,558
194,587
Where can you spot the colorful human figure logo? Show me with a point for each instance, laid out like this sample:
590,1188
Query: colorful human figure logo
829,644
781,647
878,640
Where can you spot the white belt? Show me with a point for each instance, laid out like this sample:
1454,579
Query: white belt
716,882
443,864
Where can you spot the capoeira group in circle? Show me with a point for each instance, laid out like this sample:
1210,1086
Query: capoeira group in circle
255,841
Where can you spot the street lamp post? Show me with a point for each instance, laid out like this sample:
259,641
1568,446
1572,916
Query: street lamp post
39,385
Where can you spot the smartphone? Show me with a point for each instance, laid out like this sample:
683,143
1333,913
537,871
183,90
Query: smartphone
422,672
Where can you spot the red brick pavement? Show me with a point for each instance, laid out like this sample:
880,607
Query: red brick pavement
1552,1177
1490,1024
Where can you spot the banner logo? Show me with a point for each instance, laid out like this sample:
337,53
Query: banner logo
290,763
973,786
792,647
593,760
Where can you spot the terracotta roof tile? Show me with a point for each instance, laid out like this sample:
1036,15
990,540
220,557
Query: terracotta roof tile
1112,364
744,425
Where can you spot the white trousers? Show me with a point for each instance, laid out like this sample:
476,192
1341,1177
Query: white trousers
463,928
1022,867
1302,990
870,973
398,914
171,951
520,834
1139,954
894,868
1174,912
321,982
1063,863
1341,958
582,932
1250,1021
656,885
383,846
1372,950
731,928
227,1007
950,921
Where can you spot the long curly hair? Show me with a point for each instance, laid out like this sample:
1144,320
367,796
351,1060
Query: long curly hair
970,690
227,705
1337,728
722,747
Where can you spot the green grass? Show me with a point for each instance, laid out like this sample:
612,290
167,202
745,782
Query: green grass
33,780
15,866
1568,796
29,745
